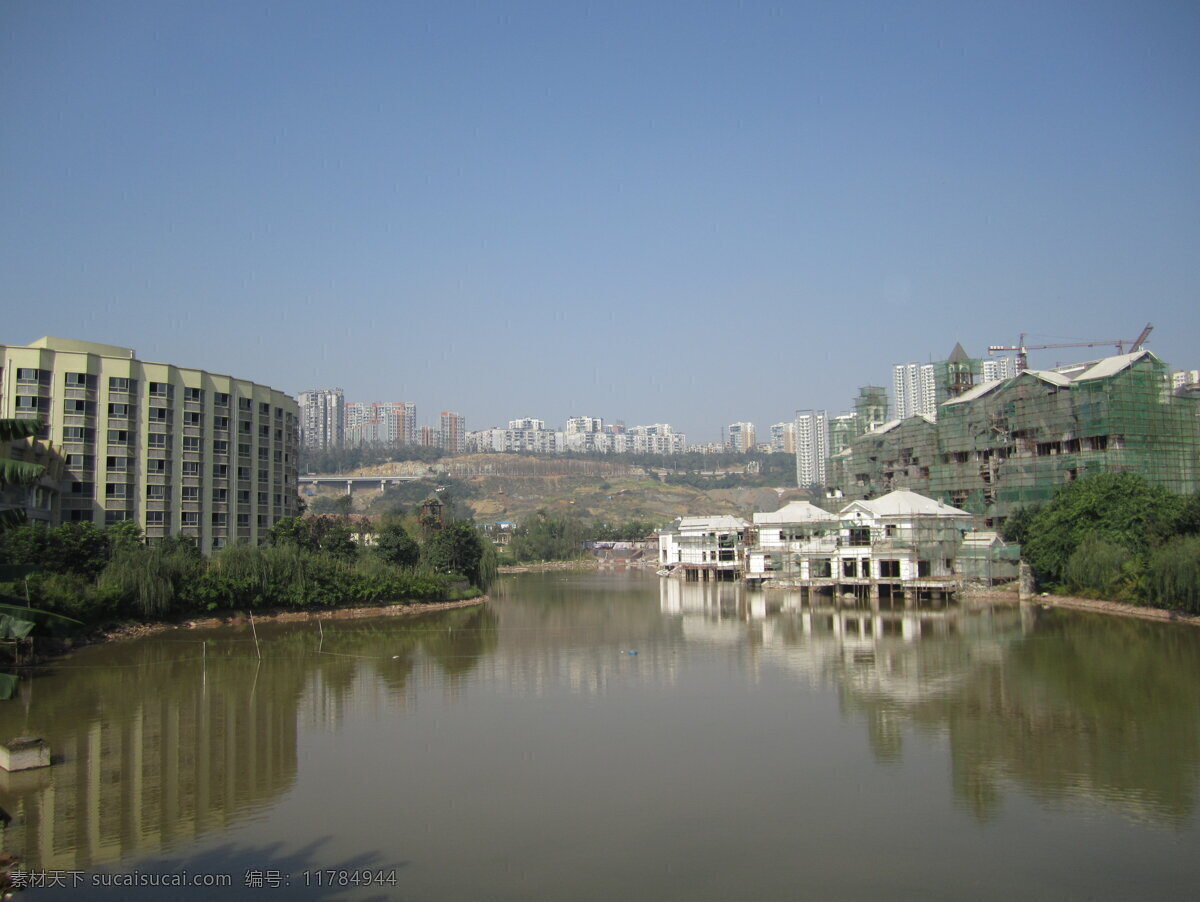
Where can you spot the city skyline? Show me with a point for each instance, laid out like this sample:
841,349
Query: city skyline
579,211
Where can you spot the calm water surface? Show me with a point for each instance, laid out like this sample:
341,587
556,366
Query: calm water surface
617,736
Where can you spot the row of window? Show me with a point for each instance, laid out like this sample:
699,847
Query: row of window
188,493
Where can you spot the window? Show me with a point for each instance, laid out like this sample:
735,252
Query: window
243,521
220,447
79,461
264,431
220,471
193,394
26,374
118,410
262,498
221,399
243,404
156,518
83,489
160,390
278,499
191,493
220,496
32,403
243,472
79,380
120,383
243,497
220,520
264,521
191,443
243,450
264,409
116,490
79,434
159,415
263,453
158,441
244,427
889,569
279,435
156,492
189,518
113,517
264,475
860,535
191,468
278,457
279,413
191,418
118,437
157,466
118,464
221,423
79,408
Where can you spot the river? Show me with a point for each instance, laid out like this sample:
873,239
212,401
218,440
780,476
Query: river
607,736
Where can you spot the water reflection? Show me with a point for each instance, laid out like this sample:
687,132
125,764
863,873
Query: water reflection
161,740
1067,706
534,710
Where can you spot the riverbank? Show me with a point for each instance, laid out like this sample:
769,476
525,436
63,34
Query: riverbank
1117,608
590,563
53,647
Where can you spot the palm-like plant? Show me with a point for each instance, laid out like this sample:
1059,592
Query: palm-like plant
17,472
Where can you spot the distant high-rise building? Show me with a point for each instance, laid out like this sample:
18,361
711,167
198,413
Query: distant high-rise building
741,437
453,434
527,424
812,447
915,388
374,423
1180,378
998,368
427,437
578,425
783,438
322,418
920,387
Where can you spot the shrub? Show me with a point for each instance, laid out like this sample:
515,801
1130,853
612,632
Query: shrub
1173,580
1099,567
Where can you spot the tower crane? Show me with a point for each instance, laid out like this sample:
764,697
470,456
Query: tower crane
1023,349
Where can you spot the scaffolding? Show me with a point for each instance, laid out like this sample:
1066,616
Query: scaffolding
1004,445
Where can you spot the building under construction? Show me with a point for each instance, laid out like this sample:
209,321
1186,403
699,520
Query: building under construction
1007,444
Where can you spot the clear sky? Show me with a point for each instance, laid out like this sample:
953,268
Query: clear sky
696,213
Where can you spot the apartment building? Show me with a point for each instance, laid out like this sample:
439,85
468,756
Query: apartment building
741,437
322,418
452,435
174,449
374,423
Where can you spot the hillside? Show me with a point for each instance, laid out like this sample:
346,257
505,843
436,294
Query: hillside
509,487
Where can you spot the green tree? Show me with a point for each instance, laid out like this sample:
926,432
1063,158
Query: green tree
295,531
395,545
458,548
1123,509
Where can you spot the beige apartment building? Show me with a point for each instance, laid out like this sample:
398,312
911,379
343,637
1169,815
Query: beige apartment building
175,449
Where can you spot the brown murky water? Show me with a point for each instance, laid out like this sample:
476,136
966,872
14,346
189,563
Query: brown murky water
617,736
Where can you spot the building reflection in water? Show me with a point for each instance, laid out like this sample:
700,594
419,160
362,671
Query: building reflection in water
1066,706
148,752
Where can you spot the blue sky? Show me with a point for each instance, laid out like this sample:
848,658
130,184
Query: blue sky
698,213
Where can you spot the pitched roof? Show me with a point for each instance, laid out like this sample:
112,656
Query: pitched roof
795,512
903,503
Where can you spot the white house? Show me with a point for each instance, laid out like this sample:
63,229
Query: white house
705,547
